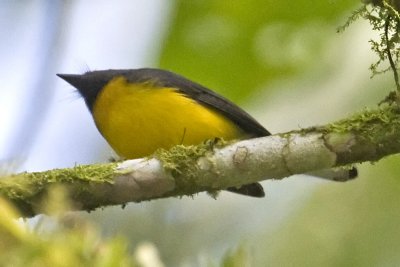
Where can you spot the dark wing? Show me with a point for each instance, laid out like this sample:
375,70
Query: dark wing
201,94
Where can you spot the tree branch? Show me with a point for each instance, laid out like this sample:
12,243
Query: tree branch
367,136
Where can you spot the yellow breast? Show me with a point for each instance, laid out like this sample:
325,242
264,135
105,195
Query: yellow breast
137,119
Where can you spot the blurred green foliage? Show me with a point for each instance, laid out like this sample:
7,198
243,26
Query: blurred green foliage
351,224
237,258
20,246
75,242
236,47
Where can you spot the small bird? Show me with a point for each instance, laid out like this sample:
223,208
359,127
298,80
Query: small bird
141,110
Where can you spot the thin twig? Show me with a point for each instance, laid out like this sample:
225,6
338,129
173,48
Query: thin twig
392,64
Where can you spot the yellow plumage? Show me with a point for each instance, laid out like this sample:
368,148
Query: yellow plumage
137,119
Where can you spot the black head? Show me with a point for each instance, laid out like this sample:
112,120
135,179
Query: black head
91,83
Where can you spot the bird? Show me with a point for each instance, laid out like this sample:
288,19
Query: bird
139,111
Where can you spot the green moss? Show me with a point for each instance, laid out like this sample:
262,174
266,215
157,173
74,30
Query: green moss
365,136
375,134
368,123
181,162
24,189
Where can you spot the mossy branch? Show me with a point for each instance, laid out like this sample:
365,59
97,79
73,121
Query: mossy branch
364,137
